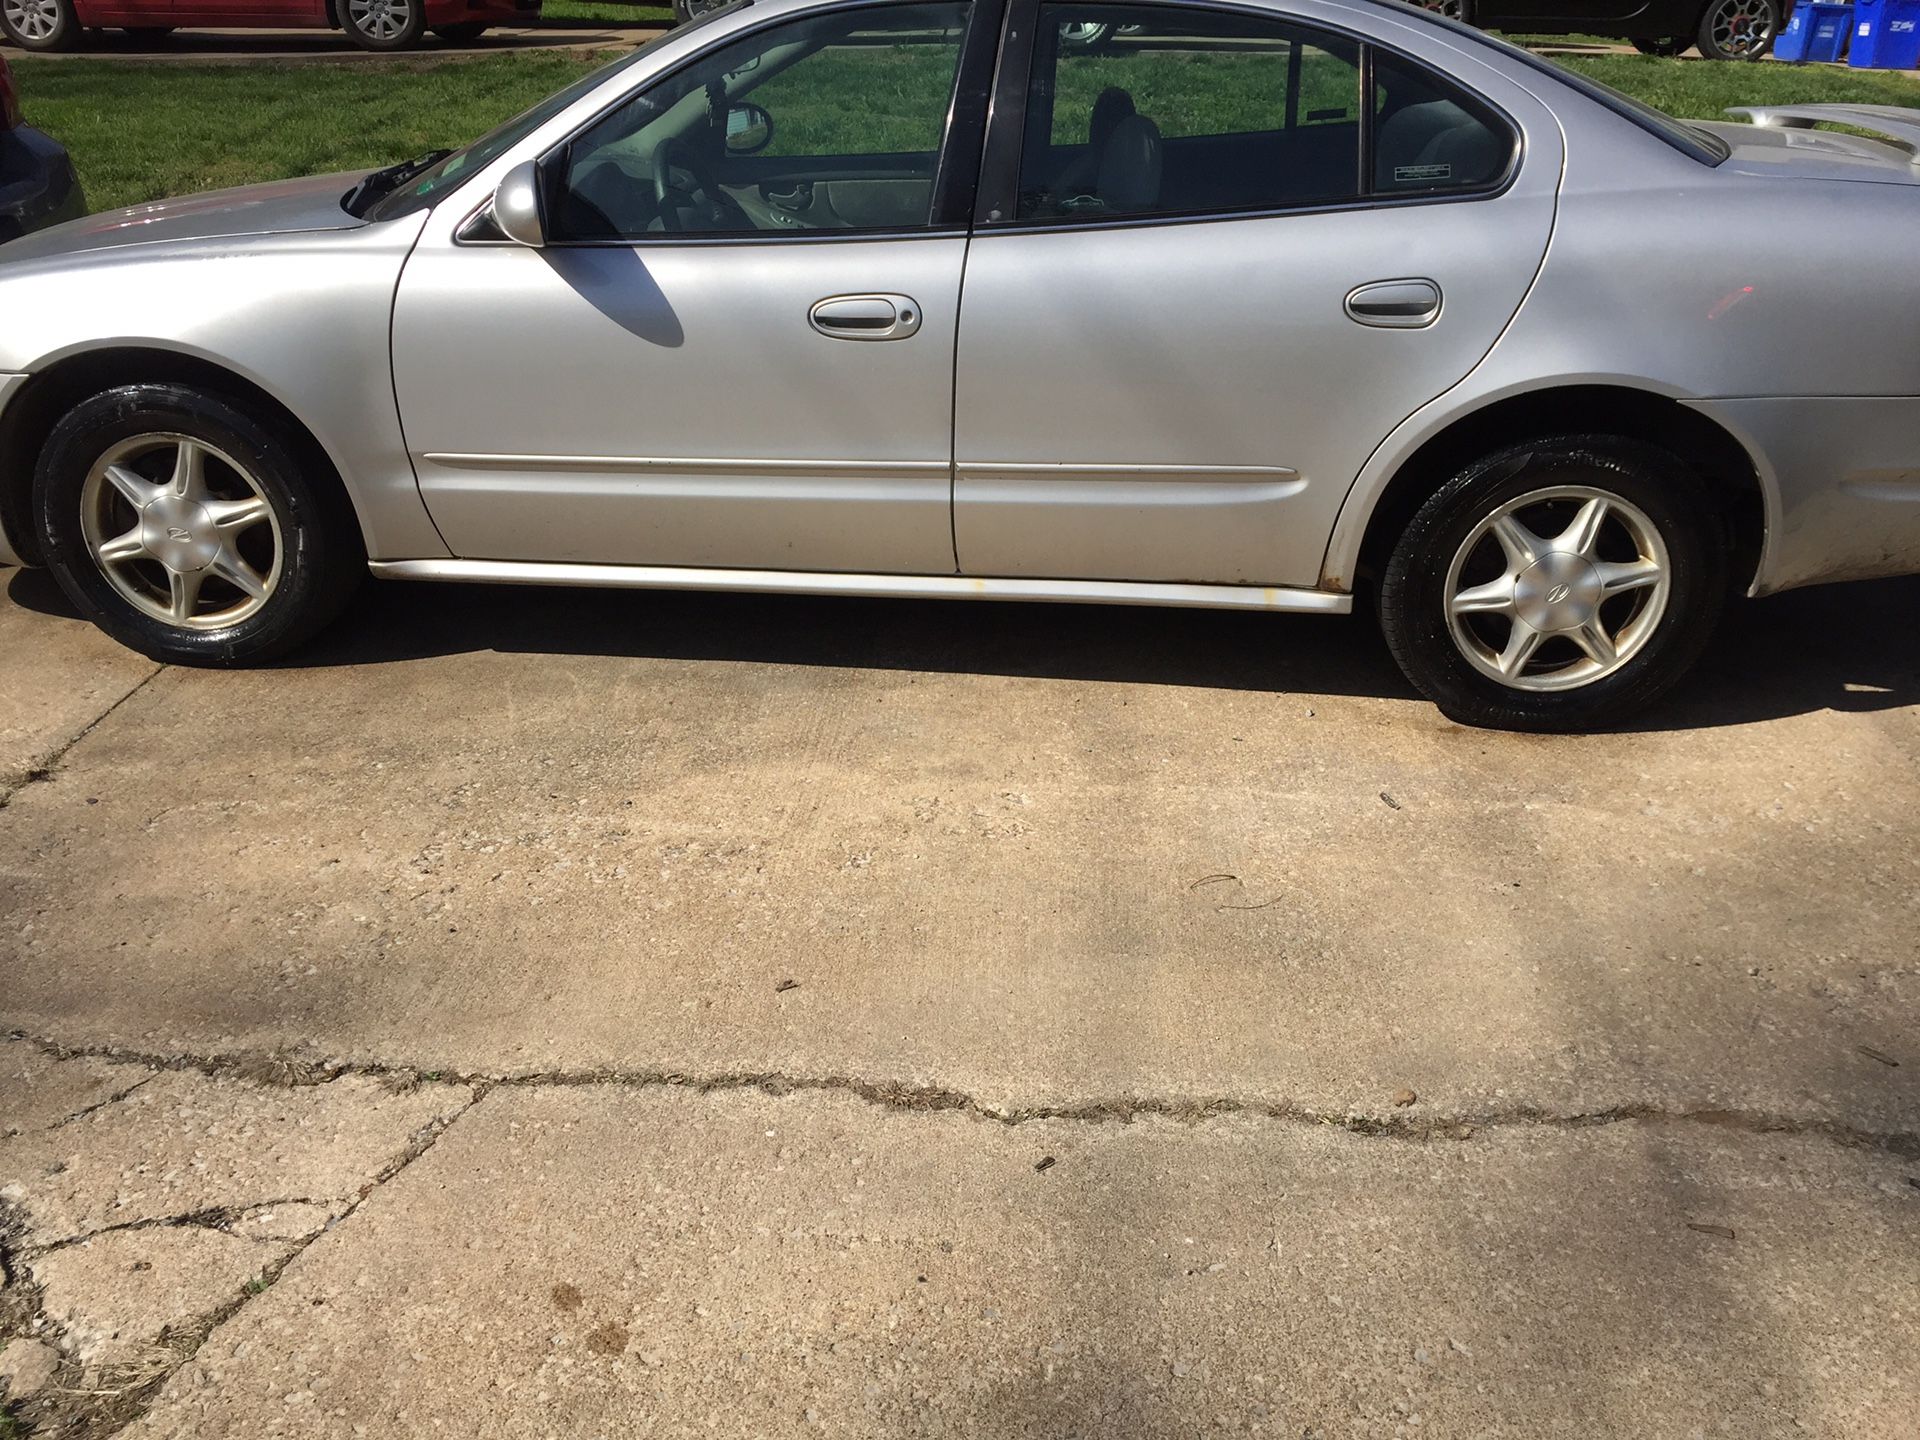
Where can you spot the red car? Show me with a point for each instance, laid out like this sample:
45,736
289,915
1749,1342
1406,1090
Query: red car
374,24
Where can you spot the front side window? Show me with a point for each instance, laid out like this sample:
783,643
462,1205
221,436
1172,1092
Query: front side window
1141,110
831,122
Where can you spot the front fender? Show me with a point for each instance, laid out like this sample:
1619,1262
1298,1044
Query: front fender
305,317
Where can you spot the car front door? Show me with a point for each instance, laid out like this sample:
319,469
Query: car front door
735,347
1224,256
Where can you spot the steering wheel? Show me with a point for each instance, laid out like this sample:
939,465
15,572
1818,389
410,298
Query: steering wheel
671,154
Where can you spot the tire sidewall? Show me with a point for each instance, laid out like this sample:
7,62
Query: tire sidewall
1413,593
310,560
66,33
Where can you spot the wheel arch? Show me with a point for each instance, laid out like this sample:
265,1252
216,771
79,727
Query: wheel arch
51,392
1356,560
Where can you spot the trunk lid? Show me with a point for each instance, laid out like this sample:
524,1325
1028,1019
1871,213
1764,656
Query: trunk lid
1781,141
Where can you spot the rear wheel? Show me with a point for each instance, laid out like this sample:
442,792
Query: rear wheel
188,529
1738,29
40,24
688,10
1665,46
464,33
1557,585
384,24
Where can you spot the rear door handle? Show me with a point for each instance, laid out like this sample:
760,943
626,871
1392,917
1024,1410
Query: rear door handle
1396,304
865,317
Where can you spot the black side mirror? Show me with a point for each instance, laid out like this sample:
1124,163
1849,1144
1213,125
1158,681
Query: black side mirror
749,129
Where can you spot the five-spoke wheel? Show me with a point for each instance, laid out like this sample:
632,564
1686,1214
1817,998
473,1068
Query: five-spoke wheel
1555,585
193,526
181,531
1567,606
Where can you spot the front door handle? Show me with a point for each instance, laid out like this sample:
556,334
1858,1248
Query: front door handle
865,317
1396,304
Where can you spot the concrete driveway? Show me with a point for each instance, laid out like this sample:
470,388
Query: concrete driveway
586,1014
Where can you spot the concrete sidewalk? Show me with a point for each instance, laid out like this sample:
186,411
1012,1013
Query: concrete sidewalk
577,1014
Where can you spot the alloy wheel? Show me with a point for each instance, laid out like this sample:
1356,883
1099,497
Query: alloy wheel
181,531
1742,29
1557,588
34,21
381,19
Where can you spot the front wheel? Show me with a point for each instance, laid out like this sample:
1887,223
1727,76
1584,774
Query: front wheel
1665,46
1557,585
687,11
384,24
1738,29
40,24
188,529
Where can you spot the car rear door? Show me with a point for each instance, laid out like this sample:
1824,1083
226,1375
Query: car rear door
1217,259
729,353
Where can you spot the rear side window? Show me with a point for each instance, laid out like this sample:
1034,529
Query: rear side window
1430,136
1137,110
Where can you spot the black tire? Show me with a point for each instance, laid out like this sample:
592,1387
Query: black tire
1665,46
1738,29
320,559
43,32
1666,493
1461,10
383,25
687,11
465,33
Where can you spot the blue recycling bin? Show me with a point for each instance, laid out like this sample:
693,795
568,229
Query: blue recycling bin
1817,32
1886,35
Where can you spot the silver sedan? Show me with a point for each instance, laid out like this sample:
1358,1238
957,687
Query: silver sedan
1258,304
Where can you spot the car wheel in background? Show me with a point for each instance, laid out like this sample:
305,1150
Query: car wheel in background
1556,585
464,33
687,10
188,529
1665,46
1461,10
1738,29
382,24
40,24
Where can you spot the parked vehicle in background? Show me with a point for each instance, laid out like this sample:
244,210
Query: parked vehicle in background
1264,307
1721,29
371,24
37,185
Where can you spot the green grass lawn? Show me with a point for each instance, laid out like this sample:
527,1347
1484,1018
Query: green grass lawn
578,11
140,131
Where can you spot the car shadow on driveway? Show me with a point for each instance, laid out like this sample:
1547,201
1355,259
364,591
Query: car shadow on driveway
1844,647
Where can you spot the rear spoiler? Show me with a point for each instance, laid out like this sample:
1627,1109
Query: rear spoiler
1896,122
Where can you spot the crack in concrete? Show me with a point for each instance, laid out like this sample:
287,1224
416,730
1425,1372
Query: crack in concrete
900,1095
222,1218
48,764
113,1099
133,1401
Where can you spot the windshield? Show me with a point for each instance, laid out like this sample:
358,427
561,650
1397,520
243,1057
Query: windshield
430,184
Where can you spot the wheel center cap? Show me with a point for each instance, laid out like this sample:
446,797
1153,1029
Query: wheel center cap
179,534
1559,591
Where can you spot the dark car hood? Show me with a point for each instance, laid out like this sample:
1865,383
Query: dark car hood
279,207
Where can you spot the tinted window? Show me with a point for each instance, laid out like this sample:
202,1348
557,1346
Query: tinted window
1431,136
1135,110
831,122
